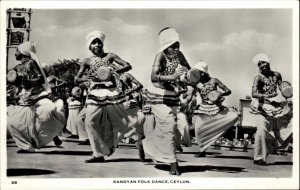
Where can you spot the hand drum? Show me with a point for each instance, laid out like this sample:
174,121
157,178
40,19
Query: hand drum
286,89
76,91
214,96
12,76
193,76
103,74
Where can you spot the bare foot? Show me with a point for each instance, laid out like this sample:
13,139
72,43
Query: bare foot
174,169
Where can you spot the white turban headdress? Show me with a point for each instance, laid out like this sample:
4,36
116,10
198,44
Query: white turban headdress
167,37
28,49
260,57
202,66
94,35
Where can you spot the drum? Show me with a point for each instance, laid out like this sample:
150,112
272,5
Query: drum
286,89
12,76
103,73
76,92
193,76
214,96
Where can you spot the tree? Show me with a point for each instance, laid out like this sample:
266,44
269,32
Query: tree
65,70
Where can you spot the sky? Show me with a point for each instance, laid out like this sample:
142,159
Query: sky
227,39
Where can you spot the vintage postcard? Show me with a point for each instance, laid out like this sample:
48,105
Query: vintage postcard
149,95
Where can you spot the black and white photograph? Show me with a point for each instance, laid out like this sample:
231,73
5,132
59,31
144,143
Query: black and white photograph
149,95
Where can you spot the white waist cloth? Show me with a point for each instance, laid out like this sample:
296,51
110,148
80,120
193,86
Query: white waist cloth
34,126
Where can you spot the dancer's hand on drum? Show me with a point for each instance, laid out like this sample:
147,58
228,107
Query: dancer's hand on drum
178,73
85,84
113,72
86,78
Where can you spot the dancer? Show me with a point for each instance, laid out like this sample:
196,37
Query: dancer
212,118
160,144
105,112
55,84
187,105
34,122
133,105
74,106
272,112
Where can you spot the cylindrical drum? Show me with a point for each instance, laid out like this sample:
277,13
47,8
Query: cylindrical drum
193,76
76,92
214,96
103,74
12,75
286,89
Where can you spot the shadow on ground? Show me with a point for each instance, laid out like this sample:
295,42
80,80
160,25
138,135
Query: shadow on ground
124,160
235,157
281,163
126,147
62,152
11,145
207,153
27,172
217,155
196,168
71,140
52,146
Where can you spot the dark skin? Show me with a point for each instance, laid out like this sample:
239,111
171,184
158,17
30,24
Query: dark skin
226,91
265,70
39,79
205,78
160,62
96,48
128,78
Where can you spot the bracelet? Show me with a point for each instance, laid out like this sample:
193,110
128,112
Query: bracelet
158,78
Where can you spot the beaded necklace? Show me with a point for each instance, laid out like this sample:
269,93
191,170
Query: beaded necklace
172,64
269,84
96,63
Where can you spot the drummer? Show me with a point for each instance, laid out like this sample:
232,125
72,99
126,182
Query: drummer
35,121
105,112
133,105
212,118
271,113
160,144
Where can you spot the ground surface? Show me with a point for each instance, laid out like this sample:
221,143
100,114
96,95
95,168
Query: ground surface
67,161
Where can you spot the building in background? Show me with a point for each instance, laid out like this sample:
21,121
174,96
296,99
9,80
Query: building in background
18,31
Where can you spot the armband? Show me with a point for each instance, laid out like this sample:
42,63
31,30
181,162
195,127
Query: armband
158,78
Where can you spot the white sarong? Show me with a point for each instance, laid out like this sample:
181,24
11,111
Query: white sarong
34,126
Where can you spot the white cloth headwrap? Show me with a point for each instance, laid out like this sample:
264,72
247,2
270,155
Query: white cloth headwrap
260,57
202,66
167,38
94,35
28,49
